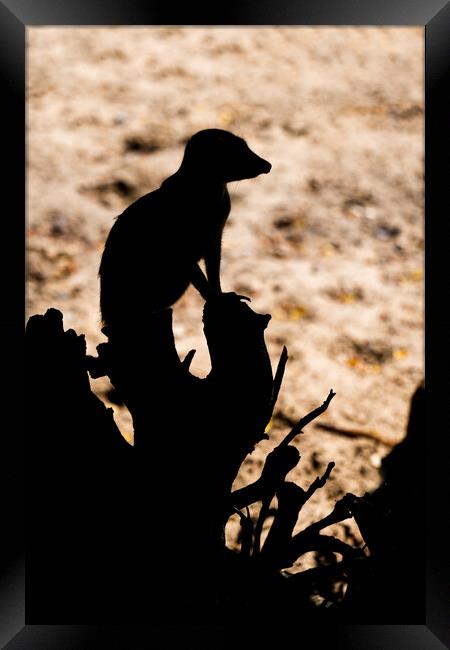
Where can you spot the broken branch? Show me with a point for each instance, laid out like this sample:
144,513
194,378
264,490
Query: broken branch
297,428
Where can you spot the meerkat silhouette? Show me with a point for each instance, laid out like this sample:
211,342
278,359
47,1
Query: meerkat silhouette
152,251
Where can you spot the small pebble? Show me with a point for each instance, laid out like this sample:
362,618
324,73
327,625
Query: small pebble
120,118
385,232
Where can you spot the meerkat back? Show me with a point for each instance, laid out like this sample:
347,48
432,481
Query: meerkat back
139,270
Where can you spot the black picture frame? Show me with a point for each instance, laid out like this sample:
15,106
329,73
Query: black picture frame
434,16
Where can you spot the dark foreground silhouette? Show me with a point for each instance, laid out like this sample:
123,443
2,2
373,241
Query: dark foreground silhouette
122,534
133,534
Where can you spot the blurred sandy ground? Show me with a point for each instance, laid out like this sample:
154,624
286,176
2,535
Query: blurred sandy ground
330,242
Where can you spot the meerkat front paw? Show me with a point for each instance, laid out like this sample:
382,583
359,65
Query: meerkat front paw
227,298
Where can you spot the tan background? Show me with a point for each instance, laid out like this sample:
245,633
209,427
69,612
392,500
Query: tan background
330,242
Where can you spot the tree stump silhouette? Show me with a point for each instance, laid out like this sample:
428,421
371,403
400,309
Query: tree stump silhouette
187,451
130,534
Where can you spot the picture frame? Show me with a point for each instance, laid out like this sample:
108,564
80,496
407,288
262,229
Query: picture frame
15,17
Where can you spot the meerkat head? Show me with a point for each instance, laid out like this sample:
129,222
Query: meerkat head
222,156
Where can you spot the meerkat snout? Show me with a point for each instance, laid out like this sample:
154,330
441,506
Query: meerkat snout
221,155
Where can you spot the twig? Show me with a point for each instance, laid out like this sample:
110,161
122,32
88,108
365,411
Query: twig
291,498
303,543
281,367
320,481
340,512
186,363
277,464
259,524
279,536
319,574
297,428
246,531
246,496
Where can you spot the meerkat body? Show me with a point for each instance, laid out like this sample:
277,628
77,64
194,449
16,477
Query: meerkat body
152,251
